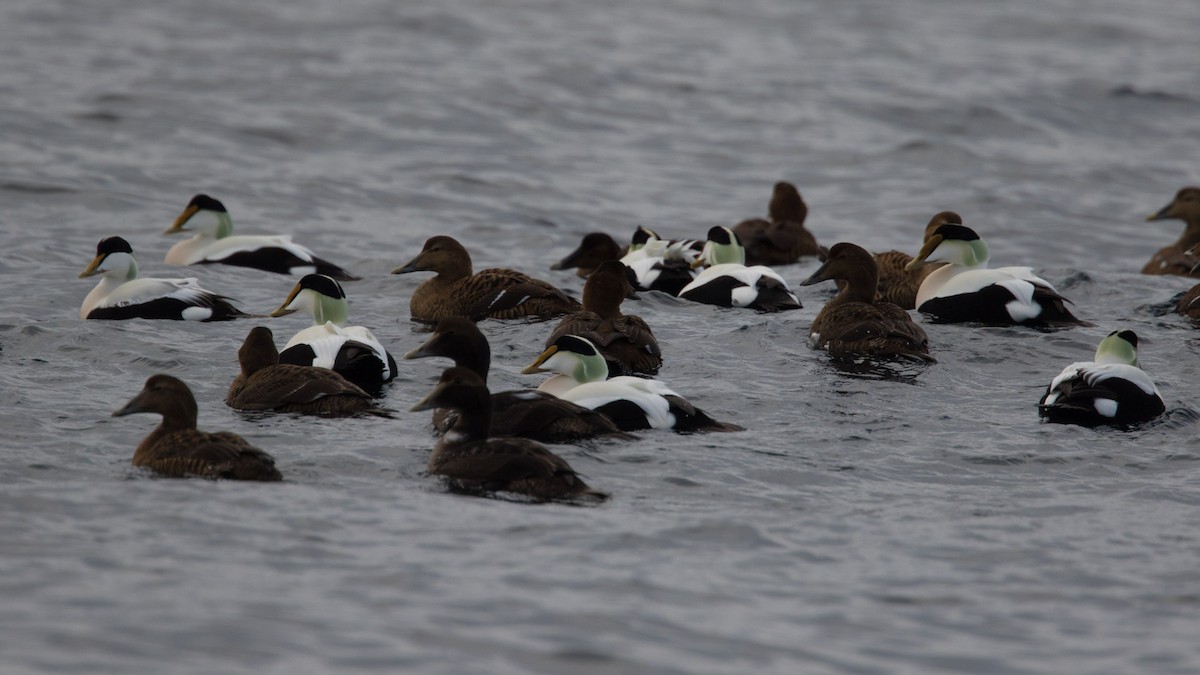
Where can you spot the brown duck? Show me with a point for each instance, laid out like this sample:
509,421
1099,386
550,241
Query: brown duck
476,462
1189,304
595,248
267,384
854,323
781,239
527,413
1181,257
898,285
626,342
176,448
491,294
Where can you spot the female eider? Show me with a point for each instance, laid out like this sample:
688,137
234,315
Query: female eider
176,448
527,413
632,402
782,239
476,461
1110,390
491,294
266,384
659,264
122,295
625,341
728,282
214,242
854,323
1179,258
966,290
352,351
899,285
595,248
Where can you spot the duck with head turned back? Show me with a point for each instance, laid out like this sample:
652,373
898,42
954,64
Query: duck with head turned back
853,323
782,239
266,384
476,461
728,282
214,242
490,294
527,413
625,341
1180,258
176,448
659,264
1111,390
899,285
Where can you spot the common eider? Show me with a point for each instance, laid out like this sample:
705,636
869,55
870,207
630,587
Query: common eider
661,264
595,248
176,448
214,242
896,283
853,322
782,239
728,282
476,461
1111,390
1181,257
632,402
351,351
966,290
490,294
122,295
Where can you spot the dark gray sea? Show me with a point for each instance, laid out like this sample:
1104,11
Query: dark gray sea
868,520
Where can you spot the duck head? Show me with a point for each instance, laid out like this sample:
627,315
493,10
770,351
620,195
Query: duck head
114,259
722,247
321,296
573,356
952,243
1119,346
204,215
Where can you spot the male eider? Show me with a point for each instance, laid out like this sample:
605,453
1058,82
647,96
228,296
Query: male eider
966,290
854,322
661,264
176,448
122,295
896,283
782,239
214,242
1181,257
352,351
1110,390
477,461
490,294
728,282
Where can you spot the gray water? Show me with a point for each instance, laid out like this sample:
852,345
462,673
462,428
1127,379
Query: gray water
866,522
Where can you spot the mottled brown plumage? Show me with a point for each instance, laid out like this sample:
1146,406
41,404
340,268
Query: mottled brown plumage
595,248
1189,304
527,413
853,322
782,239
266,384
490,294
475,462
625,342
898,285
1180,258
176,448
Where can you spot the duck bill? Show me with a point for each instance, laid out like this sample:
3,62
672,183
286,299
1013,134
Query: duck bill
928,248
134,406
569,261
423,350
1162,214
536,366
93,267
817,277
284,310
187,214
413,265
429,402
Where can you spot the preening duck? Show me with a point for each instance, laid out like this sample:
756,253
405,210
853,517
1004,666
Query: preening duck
266,384
1181,257
632,402
728,282
896,283
122,295
595,248
854,322
491,294
965,290
177,448
1112,389
661,264
782,239
214,242
476,461
527,413
625,341
351,351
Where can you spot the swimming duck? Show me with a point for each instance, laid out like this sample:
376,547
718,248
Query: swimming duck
854,322
626,342
1189,304
659,264
1113,389
527,413
782,239
728,282
266,384
632,402
595,248
214,242
474,460
122,295
1181,257
966,290
898,285
177,448
351,351
491,294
